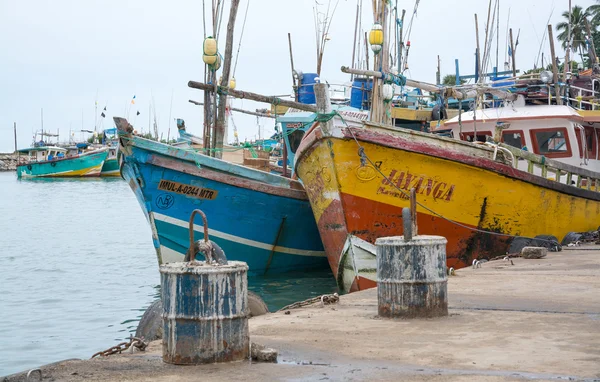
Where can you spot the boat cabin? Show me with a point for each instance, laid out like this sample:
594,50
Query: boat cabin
44,153
557,132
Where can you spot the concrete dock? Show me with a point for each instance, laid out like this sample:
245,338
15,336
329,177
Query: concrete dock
531,320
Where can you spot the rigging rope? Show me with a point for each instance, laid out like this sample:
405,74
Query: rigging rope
240,42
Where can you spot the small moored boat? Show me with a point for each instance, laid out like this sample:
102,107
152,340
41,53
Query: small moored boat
52,161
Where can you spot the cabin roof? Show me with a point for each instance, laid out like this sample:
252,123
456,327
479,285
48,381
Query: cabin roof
509,113
42,148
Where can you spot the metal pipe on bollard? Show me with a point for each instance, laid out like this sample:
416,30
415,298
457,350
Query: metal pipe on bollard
205,307
411,272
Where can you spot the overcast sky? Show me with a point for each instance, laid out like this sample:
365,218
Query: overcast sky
62,55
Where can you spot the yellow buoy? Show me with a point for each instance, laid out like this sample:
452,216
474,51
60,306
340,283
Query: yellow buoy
209,60
210,46
231,82
376,35
218,62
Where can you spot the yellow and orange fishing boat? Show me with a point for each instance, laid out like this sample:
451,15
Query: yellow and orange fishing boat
478,195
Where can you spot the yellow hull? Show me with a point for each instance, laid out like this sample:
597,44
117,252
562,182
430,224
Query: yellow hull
353,199
91,171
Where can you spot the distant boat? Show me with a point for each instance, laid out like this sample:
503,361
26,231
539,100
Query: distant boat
254,216
53,161
111,164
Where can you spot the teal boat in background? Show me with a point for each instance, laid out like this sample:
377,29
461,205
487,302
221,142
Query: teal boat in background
111,164
53,161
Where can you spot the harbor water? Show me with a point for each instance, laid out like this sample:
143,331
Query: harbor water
78,270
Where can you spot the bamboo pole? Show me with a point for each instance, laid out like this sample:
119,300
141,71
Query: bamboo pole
255,97
478,58
294,86
400,67
567,66
367,50
438,75
385,112
458,93
254,113
487,31
15,128
512,48
554,66
222,116
355,36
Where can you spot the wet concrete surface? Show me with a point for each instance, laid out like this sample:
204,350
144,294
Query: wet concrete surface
535,320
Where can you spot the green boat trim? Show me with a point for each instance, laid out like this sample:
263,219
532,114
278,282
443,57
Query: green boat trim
50,161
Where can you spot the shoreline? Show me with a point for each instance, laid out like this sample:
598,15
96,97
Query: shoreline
534,320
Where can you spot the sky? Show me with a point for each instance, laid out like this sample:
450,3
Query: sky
63,56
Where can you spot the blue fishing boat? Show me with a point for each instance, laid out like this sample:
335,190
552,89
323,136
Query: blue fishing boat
254,216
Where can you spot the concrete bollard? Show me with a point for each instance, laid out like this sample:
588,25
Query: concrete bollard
411,277
205,312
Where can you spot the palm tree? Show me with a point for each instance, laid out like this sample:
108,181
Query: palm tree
594,12
578,30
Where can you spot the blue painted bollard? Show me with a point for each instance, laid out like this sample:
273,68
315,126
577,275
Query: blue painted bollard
411,277
205,312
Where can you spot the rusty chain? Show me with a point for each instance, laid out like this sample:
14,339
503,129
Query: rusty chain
133,343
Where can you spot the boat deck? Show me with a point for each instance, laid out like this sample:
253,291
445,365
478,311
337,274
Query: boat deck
534,320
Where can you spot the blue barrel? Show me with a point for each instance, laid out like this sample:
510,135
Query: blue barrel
361,92
306,92
205,312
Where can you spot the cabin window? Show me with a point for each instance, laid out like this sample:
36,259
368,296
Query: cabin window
294,138
481,136
514,139
590,142
553,143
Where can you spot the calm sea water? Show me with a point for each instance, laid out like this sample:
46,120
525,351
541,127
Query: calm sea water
78,269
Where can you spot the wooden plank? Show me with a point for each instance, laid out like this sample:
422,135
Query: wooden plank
255,97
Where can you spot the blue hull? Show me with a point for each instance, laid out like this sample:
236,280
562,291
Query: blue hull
251,214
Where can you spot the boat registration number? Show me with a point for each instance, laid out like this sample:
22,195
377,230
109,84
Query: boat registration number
188,190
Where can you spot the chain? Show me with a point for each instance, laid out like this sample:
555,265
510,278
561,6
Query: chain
325,299
137,343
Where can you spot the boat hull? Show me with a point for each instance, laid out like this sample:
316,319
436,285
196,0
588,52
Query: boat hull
86,165
110,168
268,226
354,201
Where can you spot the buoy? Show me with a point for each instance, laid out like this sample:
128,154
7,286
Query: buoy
231,82
376,37
210,46
387,92
209,60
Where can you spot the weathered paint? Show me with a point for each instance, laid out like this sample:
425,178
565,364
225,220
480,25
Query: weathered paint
411,277
89,164
205,312
245,210
456,179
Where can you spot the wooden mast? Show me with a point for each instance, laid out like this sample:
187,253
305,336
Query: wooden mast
554,67
221,112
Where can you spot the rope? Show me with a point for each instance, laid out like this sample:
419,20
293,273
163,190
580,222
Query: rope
240,42
364,158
